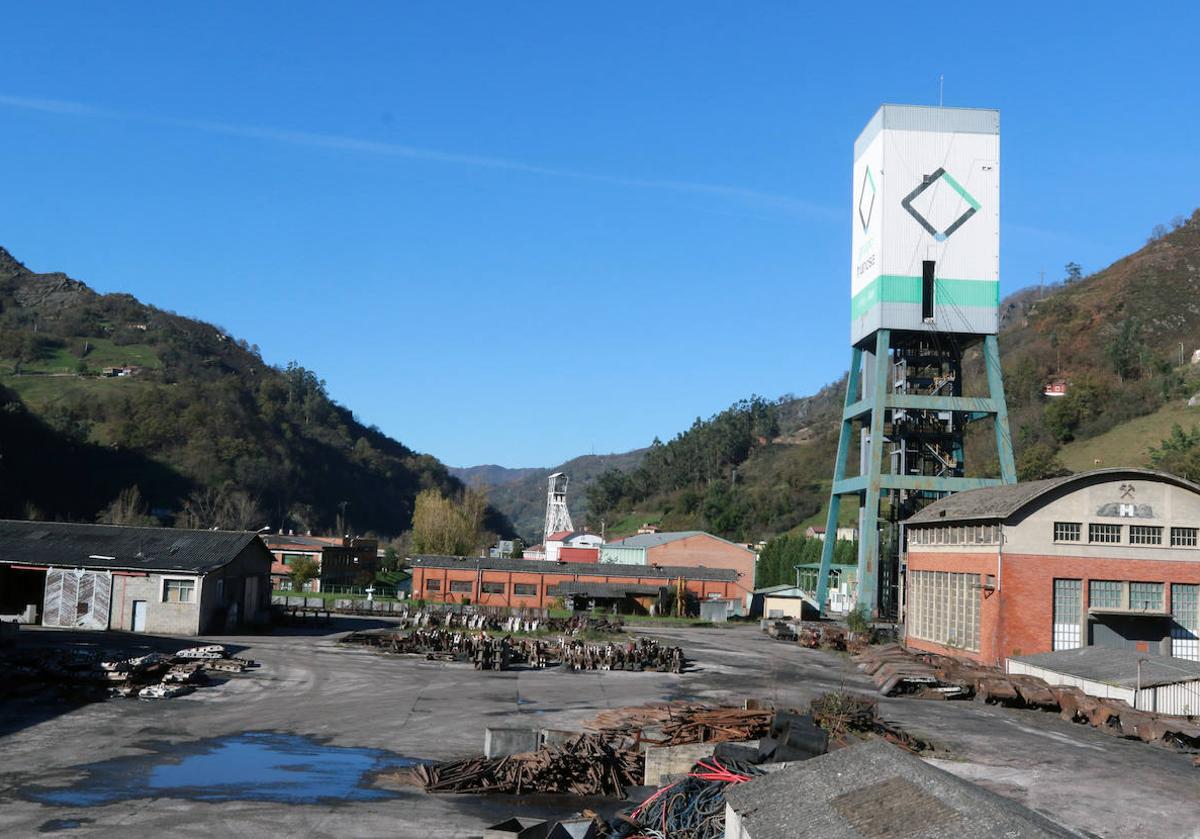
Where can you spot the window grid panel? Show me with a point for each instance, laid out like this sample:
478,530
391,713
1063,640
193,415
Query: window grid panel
1140,534
944,608
1106,594
1185,629
1104,533
1184,537
492,588
1067,612
1146,596
1067,531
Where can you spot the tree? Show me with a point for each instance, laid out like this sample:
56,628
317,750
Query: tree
1159,231
447,526
1179,454
302,570
128,508
1125,350
1039,461
1074,272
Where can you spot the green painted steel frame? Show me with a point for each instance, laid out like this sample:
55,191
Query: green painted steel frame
870,486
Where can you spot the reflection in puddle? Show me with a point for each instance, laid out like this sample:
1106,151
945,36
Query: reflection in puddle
253,766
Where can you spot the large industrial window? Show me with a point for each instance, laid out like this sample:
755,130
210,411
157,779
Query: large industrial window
1109,533
525,589
944,608
1146,596
927,289
460,586
492,588
1141,534
1068,613
1106,594
433,585
1067,531
179,591
1183,537
1185,630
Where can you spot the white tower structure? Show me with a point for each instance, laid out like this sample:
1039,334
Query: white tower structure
557,517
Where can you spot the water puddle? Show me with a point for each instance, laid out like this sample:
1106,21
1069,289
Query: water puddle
252,766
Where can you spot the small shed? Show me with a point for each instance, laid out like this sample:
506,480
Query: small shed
1154,683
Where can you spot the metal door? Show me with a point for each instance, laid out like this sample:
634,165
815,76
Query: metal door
139,616
77,599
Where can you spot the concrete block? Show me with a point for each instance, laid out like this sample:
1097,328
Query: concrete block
343,603
509,741
314,602
556,736
666,762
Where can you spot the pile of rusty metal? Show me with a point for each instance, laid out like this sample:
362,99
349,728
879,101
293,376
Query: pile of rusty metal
678,723
585,765
897,671
823,635
492,652
428,618
95,674
639,654
845,715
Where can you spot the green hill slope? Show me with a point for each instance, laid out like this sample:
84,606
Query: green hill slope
203,425
1115,336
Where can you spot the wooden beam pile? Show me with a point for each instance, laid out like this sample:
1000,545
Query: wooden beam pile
585,765
678,723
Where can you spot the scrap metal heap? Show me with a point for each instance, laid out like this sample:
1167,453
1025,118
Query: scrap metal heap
98,674
428,618
899,672
585,765
491,652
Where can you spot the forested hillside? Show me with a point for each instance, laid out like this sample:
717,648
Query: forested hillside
1121,338
208,433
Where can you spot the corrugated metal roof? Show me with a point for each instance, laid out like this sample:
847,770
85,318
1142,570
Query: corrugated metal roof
572,588
927,118
1116,667
1002,502
108,546
653,540
590,569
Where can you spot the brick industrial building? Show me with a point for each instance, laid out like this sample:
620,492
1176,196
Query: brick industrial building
684,548
1108,558
519,582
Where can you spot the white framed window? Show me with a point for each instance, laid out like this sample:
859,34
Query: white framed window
1106,594
943,607
1142,534
1146,596
1184,537
1104,533
1067,531
492,588
1068,614
1185,629
179,591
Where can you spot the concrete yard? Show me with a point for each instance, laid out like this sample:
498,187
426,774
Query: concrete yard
118,767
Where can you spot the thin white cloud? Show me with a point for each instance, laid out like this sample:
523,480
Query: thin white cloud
785,203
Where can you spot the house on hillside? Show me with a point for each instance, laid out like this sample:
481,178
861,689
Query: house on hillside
844,534
139,579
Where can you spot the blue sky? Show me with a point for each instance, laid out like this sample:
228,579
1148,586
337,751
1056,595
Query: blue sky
515,232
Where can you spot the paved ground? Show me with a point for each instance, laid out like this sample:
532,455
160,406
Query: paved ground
309,686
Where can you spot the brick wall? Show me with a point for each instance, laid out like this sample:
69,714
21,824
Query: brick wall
542,581
708,551
1017,618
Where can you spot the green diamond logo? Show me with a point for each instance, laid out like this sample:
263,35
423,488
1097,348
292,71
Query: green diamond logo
866,199
926,183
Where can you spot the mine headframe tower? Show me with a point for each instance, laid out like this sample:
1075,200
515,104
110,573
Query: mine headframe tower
924,291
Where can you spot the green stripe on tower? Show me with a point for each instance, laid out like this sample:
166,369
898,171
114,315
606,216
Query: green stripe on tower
898,288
